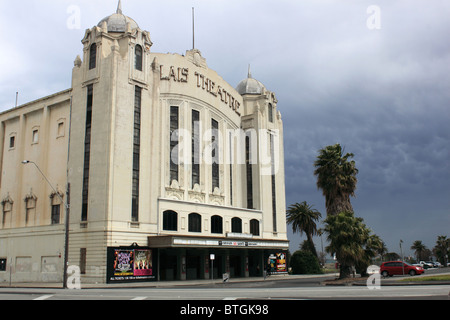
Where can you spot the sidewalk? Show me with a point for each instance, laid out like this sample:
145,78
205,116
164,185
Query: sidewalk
406,280
166,284
328,279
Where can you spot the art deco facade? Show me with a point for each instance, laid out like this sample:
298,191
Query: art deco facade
155,155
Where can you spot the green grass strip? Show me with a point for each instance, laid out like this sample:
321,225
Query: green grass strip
445,277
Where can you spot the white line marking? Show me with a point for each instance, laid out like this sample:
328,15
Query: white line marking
44,297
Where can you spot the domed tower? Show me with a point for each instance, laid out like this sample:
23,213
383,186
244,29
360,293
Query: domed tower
112,105
118,22
264,181
250,86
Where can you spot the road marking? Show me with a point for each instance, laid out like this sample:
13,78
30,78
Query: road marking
44,297
139,298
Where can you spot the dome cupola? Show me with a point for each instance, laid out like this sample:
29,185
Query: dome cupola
117,22
250,86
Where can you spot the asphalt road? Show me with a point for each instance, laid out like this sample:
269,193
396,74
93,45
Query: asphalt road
286,288
433,292
310,288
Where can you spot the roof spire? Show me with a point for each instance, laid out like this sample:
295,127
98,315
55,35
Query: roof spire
119,7
249,72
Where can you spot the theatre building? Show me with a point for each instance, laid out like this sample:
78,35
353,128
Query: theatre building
163,169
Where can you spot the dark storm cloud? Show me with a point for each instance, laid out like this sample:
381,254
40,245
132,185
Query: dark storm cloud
385,97
383,94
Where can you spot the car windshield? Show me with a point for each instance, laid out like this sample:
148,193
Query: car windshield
406,263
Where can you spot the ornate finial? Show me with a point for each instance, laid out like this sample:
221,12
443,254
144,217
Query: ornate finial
119,7
249,72
77,62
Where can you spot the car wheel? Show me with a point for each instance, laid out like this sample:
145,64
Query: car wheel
385,273
412,273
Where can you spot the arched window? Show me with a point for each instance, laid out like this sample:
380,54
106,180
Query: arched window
195,222
138,57
216,224
170,220
93,56
236,225
254,227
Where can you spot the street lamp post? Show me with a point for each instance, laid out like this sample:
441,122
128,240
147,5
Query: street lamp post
401,253
66,228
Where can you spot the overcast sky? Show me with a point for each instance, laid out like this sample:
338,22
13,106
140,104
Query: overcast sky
373,76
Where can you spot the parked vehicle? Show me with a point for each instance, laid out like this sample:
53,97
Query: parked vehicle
426,264
391,268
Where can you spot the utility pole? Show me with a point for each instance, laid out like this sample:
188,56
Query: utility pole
193,28
401,253
66,231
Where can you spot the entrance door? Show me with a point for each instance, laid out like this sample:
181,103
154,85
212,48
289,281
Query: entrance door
235,266
192,267
255,263
218,266
168,266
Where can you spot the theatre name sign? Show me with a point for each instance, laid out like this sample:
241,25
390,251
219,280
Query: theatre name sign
203,82
175,241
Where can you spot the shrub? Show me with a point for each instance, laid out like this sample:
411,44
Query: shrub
304,262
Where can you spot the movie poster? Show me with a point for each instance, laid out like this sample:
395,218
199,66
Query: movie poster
281,262
277,263
130,264
143,263
123,263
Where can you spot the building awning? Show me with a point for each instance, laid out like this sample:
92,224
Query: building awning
169,241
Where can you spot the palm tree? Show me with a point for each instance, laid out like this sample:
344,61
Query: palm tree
347,235
382,250
442,249
418,248
373,246
303,219
336,177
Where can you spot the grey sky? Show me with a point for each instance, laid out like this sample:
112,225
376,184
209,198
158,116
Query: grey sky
384,94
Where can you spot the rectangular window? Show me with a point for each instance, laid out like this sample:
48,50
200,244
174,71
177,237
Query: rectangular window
136,155
83,254
270,112
249,173
87,153
195,147
231,168
215,153
56,214
138,58
274,193
12,142
3,264
173,156
92,56
35,136
61,129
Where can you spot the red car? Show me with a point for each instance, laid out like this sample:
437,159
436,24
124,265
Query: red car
391,268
